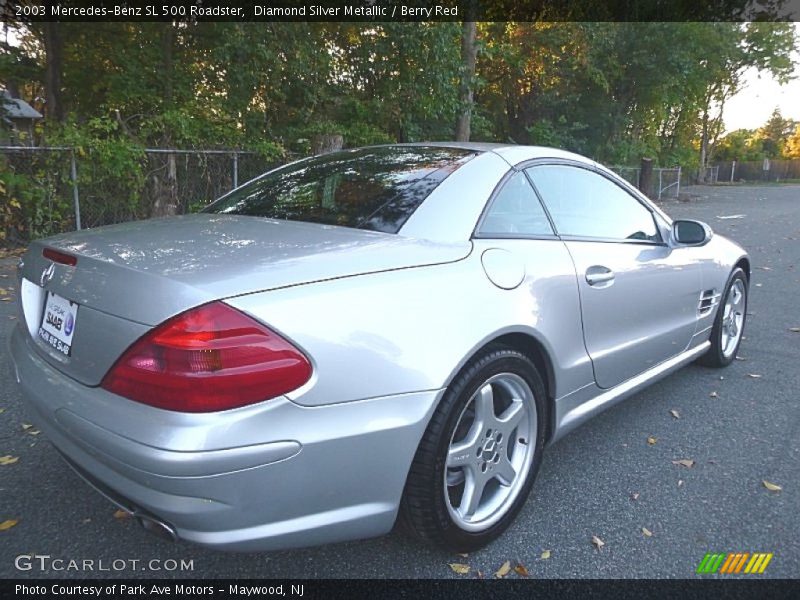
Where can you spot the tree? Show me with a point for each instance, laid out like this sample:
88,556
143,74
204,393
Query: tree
469,51
773,136
792,149
54,50
739,145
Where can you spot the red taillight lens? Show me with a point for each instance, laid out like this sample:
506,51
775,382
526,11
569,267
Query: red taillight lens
207,359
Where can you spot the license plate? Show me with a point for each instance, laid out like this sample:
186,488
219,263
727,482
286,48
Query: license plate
58,323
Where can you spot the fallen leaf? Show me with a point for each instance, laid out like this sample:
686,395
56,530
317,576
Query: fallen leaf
545,554
504,570
521,570
713,395
765,268
771,486
86,520
647,532
122,514
8,460
479,575
684,462
462,554
598,543
8,524
460,568
675,413
2,410
635,496
33,432
680,482
754,375
652,440
794,329
26,426
742,358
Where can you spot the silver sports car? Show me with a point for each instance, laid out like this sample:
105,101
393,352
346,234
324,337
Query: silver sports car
379,334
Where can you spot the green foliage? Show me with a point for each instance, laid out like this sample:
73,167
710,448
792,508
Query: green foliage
739,145
112,165
615,91
30,202
777,138
793,144
773,136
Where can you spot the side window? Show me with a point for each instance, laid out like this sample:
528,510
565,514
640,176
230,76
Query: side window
583,203
515,210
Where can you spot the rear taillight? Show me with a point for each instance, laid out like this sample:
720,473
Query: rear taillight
208,359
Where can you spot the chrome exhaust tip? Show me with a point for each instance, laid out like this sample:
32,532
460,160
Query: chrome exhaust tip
156,527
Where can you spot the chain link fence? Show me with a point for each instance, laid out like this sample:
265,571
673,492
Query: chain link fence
49,190
37,188
665,182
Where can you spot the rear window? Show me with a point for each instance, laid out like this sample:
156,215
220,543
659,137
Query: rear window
368,188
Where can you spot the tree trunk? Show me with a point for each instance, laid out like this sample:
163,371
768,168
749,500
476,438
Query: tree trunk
165,197
324,143
166,190
701,176
167,51
469,51
54,58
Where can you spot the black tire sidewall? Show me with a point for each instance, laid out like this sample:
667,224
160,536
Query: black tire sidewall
464,386
715,356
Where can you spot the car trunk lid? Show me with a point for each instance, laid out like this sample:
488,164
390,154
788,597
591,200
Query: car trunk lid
133,276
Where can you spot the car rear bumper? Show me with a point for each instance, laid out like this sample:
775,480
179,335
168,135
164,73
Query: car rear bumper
268,476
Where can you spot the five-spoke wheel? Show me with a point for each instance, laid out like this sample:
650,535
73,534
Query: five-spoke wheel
490,451
726,334
477,460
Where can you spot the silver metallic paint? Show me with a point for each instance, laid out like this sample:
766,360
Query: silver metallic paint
387,320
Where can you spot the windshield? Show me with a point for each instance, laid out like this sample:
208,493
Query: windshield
368,188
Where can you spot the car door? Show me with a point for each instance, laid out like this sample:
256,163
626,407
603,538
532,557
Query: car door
521,255
639,297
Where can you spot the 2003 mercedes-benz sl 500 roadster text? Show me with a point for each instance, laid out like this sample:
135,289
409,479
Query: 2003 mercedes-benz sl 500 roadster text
377,334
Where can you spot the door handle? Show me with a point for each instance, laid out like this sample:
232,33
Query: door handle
597,274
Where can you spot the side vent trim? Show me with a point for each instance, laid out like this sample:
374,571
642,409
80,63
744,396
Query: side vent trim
709,299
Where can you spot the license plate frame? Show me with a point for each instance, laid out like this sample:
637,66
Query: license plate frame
58,323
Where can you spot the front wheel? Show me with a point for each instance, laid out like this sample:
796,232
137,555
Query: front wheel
478,458
726,334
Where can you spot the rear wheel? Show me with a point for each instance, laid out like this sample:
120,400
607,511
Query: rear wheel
477,461
726,334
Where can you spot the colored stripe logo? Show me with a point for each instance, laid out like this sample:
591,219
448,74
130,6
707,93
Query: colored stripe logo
734,563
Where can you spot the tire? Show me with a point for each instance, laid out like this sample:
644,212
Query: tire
465,453
726,334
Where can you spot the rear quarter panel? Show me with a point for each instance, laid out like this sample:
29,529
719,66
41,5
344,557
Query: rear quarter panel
410,330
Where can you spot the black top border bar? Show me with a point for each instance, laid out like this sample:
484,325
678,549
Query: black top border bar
398,10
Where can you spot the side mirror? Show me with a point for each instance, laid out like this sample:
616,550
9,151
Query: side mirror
691,233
